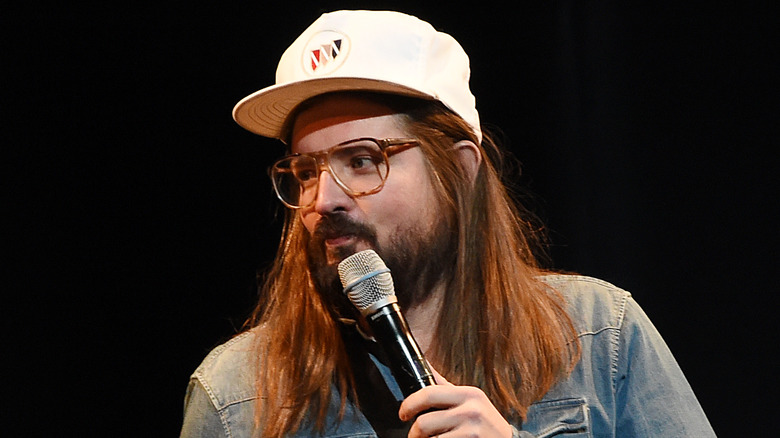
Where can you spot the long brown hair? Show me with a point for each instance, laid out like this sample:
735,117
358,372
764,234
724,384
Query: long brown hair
501,328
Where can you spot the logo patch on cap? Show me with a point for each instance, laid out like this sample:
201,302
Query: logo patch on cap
325,52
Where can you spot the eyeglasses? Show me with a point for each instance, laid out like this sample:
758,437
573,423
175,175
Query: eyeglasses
360,167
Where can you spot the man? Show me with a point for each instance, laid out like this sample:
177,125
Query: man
386,152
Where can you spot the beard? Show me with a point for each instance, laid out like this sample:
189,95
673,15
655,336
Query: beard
418,259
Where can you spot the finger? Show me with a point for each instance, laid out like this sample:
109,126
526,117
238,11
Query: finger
440,380
473,415
431,397
432,424
414,404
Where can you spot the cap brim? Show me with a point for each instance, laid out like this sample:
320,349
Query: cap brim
265,112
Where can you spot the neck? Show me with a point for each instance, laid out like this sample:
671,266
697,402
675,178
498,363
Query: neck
423,319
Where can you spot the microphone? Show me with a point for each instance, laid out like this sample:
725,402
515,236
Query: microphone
369,286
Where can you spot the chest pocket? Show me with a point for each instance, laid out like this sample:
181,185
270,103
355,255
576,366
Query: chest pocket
566,418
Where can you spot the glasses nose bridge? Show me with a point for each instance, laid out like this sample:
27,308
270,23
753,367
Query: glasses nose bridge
322,159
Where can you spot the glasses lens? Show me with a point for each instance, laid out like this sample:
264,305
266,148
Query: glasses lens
295,180
360,166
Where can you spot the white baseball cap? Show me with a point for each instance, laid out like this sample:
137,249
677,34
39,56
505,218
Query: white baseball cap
378,51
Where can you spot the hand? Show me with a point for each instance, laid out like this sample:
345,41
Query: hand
459,411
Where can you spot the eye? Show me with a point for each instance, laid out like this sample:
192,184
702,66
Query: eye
303,170
362,161
357,159
305,175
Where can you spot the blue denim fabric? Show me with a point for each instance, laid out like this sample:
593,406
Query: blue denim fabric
627,383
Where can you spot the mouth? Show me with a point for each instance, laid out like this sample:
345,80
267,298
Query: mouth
341,240
337,248
337,237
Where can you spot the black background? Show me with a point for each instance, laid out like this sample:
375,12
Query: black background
141,210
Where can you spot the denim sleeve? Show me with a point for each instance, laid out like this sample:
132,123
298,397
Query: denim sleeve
201,418
653,396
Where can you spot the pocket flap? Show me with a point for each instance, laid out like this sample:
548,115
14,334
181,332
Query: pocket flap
566,416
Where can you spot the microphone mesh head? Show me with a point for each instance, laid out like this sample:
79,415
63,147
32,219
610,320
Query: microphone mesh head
372,288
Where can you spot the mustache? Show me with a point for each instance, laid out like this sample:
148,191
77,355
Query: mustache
337,225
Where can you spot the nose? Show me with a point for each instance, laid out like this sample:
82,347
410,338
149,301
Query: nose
330,196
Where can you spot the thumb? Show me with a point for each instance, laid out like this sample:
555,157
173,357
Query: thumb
440,380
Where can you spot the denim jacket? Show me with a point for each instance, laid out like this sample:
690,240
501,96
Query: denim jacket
626,384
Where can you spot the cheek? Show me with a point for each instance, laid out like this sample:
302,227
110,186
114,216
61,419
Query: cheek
402,206
308,218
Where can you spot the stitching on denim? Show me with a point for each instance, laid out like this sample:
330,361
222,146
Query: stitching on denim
199,375
581,404
217,351
594,333
615,356
213,400
224,421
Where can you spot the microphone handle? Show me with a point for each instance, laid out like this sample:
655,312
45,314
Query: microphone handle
406,361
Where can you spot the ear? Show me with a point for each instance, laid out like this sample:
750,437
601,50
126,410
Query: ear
470,157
